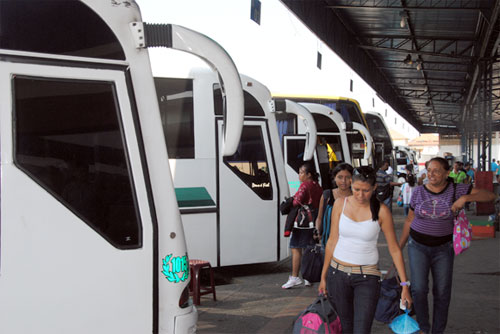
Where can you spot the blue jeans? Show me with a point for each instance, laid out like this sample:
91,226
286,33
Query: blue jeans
388,202
355,298
439,261
407,209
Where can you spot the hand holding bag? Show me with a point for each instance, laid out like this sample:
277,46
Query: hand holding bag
462,229
390,294
404,324
312,263
462,233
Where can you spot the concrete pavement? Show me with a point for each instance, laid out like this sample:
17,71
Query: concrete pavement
250,298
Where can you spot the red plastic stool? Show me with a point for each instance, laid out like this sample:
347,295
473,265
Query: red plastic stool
195,287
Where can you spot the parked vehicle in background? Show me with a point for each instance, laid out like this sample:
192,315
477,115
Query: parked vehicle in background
229,205
405,156
338,141
384,148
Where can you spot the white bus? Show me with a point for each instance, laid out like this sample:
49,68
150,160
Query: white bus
229,205
384,147
338,141
405,156
91,239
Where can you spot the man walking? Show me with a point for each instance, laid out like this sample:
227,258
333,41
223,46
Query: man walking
385,185
493,166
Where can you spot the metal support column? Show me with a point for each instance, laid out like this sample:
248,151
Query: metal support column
479,130
487,106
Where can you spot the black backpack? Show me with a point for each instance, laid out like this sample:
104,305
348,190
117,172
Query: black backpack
383,192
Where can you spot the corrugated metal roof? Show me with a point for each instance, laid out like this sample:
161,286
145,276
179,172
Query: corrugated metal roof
426,58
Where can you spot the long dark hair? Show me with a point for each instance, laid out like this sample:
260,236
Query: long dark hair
411,180
367,174
340,167
309,169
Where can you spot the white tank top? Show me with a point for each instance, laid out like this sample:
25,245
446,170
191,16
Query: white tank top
357,243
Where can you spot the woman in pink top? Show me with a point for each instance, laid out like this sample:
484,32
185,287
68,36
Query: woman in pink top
350,275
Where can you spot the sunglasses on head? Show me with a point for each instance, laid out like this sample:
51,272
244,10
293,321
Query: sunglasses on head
365,171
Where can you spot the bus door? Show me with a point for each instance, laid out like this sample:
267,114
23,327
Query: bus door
75,220
248,200
379,154
293,149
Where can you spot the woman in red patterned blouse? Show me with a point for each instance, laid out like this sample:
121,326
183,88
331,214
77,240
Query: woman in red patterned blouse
309,193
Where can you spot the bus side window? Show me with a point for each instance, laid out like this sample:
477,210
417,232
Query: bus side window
175,98
250,164
69,139
295,153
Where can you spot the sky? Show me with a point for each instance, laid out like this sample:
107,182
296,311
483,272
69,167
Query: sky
280,52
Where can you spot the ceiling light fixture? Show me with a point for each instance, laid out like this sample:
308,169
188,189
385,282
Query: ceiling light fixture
428,104
404,17
419,63
408,60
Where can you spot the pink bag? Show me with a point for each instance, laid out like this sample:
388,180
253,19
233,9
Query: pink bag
462,233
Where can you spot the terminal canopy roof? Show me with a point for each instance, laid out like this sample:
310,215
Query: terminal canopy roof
433,61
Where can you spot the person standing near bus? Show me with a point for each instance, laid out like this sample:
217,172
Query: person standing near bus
341,179
309,193
385,185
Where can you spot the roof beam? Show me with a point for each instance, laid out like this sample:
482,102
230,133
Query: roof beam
464,5
423,69
417,52
472,90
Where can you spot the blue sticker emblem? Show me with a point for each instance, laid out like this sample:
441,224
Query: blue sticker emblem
173,266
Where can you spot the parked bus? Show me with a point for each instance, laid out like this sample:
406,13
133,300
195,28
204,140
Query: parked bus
384,148
91,239
229,205
405,156
338,141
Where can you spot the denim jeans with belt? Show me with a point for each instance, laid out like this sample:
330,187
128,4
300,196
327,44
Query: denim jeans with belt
354,297
439,261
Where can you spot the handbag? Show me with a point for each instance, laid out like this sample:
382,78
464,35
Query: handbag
390,295
462,230
312,263
400,199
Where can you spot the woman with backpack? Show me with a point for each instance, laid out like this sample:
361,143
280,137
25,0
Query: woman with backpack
309,194
350,276
341,179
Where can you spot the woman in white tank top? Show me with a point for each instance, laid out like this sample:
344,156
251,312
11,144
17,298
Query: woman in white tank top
350,276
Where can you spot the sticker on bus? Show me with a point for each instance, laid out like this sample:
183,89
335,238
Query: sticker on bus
175,269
